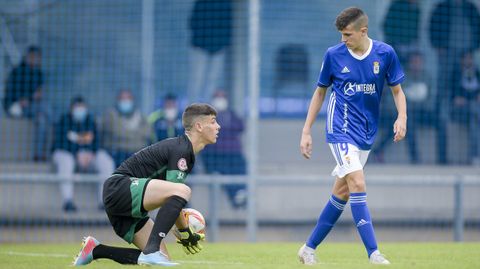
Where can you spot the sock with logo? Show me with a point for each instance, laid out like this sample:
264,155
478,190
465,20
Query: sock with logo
330,214
166,217
361,216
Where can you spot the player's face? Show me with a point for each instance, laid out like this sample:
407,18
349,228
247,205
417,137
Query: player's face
211,129
353,37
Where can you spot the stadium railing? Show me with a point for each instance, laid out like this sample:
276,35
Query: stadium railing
453,213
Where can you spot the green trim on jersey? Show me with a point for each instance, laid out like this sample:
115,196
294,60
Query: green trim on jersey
136,189
176,176
158,172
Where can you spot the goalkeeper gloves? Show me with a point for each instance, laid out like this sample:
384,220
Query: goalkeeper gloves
190,240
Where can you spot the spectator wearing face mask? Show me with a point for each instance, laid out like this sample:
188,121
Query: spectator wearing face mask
226,156
167,121
124,129
76,149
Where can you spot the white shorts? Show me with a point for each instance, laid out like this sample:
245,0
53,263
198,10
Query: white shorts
349,158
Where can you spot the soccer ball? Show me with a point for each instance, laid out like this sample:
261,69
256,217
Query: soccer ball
195,220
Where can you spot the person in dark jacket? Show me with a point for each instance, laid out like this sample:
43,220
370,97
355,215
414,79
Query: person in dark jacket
211,33
226,156
401,27
454,29
24,98
76,148
465,103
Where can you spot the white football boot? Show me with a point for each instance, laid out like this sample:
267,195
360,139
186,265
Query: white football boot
307,256
378,258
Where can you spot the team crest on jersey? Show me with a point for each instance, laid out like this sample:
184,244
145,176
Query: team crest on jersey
376,67
182,164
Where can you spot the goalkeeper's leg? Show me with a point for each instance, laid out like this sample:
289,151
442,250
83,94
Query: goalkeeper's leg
92,249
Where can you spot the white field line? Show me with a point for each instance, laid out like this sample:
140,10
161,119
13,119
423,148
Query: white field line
30,254
59,255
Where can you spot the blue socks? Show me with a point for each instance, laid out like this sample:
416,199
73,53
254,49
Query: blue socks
361,216
332,211
327,219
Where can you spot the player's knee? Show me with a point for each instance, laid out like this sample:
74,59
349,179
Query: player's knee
357,186
183,191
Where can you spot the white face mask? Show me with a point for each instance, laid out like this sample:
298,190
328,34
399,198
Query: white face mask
171,114
79,113
125,106
220,103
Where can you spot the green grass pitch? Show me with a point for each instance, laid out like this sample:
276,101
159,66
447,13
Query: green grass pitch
262,255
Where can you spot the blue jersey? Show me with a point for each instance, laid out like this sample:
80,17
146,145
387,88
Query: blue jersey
357,84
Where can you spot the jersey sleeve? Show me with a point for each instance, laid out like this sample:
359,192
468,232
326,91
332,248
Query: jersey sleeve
395,73
325,77
178,165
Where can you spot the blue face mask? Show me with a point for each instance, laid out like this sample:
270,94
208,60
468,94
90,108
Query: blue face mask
125,106
79,114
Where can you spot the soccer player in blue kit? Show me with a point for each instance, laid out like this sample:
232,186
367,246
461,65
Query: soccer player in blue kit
356,69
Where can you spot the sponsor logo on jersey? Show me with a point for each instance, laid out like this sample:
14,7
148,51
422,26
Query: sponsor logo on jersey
351,88
182,164
345,70
376,67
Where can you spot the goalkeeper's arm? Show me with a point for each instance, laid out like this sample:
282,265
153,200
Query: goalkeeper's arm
188,238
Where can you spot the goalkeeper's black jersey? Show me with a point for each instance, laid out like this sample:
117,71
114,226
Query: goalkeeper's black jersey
171,159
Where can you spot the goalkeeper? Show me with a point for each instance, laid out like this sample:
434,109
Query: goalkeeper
154,178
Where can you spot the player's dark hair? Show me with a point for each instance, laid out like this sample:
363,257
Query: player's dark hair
196,110
351,15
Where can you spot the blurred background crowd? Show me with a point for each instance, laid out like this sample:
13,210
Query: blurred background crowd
85,84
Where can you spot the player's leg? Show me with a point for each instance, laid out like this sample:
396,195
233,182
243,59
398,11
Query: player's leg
331,212
171,198
141,238
358,204
93,249
327,219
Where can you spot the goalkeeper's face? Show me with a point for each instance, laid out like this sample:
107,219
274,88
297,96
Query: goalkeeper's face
209,128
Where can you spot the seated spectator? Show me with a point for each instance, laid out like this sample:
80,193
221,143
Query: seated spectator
167,121
466,102
124,129
24,99
421,106
226,156
76,149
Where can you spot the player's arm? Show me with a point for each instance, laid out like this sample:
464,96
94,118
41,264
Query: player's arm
181,221
400,125
187,237
313,109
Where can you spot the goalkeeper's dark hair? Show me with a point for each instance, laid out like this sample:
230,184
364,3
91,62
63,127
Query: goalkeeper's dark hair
351,15
193,111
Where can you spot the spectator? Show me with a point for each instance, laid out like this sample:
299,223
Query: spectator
401,27
76,148
167,122
421,109
466,102
226,156
24,99
454,30
211,27
124,129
